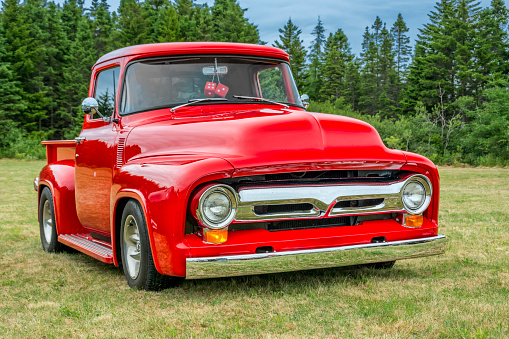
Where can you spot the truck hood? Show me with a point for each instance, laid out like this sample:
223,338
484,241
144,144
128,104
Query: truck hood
263,138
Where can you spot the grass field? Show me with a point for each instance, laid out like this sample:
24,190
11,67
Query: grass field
462,294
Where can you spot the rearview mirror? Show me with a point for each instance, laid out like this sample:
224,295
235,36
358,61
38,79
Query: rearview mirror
211,70
305,100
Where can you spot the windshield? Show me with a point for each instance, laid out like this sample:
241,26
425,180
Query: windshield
151,84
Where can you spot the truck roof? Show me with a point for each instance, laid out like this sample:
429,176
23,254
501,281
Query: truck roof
181,48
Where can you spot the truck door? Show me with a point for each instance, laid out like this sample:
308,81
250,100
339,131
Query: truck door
95,157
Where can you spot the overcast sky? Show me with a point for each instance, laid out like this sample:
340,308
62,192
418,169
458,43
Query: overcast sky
350,15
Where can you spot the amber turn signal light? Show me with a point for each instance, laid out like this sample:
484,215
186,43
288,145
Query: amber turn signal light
414,221
215,236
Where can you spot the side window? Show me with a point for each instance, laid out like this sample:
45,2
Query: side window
272,84
106,85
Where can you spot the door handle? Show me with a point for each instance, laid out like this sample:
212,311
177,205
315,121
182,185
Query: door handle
79,139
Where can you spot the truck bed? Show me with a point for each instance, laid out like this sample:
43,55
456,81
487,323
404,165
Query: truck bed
58,150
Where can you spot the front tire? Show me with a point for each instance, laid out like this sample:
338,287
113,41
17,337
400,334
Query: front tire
382,265
137,261
47,223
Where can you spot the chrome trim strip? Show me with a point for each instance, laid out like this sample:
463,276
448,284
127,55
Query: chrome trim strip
261,263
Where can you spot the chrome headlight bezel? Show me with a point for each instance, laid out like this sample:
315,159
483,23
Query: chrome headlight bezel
228,192
428,191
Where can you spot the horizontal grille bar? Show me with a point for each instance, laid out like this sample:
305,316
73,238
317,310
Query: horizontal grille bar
296,224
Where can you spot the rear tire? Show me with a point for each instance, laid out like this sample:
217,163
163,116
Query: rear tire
47,223
137,261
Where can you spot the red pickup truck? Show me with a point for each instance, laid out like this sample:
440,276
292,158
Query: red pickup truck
199,160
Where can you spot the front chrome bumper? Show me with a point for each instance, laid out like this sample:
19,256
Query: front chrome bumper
260,263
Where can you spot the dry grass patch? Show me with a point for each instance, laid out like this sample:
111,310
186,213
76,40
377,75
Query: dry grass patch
462,294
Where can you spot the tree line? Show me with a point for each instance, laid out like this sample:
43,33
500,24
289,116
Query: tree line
445,95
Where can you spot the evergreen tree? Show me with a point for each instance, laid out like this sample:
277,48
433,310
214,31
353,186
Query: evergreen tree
444,69
402,52
56,47
464,25
337,58
102,26
132,26
314,78
378,73
164,21
292,44
491,48
188,14
78,62
230,25
72,11
25,53
11,96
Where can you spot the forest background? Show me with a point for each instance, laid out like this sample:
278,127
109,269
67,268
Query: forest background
445,96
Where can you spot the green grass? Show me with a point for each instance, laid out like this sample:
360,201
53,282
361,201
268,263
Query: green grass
462,294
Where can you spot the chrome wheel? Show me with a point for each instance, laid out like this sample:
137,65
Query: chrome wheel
132,247
47,222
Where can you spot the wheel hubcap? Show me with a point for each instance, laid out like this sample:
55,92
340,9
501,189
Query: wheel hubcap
47,222
132,247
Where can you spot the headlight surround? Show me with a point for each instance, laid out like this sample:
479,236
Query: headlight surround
217,206
416,194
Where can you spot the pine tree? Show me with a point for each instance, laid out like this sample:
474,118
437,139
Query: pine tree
337,58
314,78
56,47
378,74
432,73
11,96
402,52
187,13
444,68
102,27
465,34
78,62
292,44
164,21
26,54
72,11
230,25
491,46
132,26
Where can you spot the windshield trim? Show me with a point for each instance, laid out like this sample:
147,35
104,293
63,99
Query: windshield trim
187,57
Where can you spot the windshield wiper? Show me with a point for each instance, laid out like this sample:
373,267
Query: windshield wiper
194,101
260,99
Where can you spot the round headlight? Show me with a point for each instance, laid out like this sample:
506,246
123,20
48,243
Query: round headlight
416,194
217,207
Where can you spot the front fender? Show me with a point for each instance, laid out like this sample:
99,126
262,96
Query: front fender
162,186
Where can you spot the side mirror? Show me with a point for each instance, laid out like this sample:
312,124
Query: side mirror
90,105
305,100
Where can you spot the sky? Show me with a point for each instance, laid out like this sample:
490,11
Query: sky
352,16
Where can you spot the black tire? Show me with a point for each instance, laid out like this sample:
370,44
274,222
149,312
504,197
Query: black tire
137,262
382,265
47,223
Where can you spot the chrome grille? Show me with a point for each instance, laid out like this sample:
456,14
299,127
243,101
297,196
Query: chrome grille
330,200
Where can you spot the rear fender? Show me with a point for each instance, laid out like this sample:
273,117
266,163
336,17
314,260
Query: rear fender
59,178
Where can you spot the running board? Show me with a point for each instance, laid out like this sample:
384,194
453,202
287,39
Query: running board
85,243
